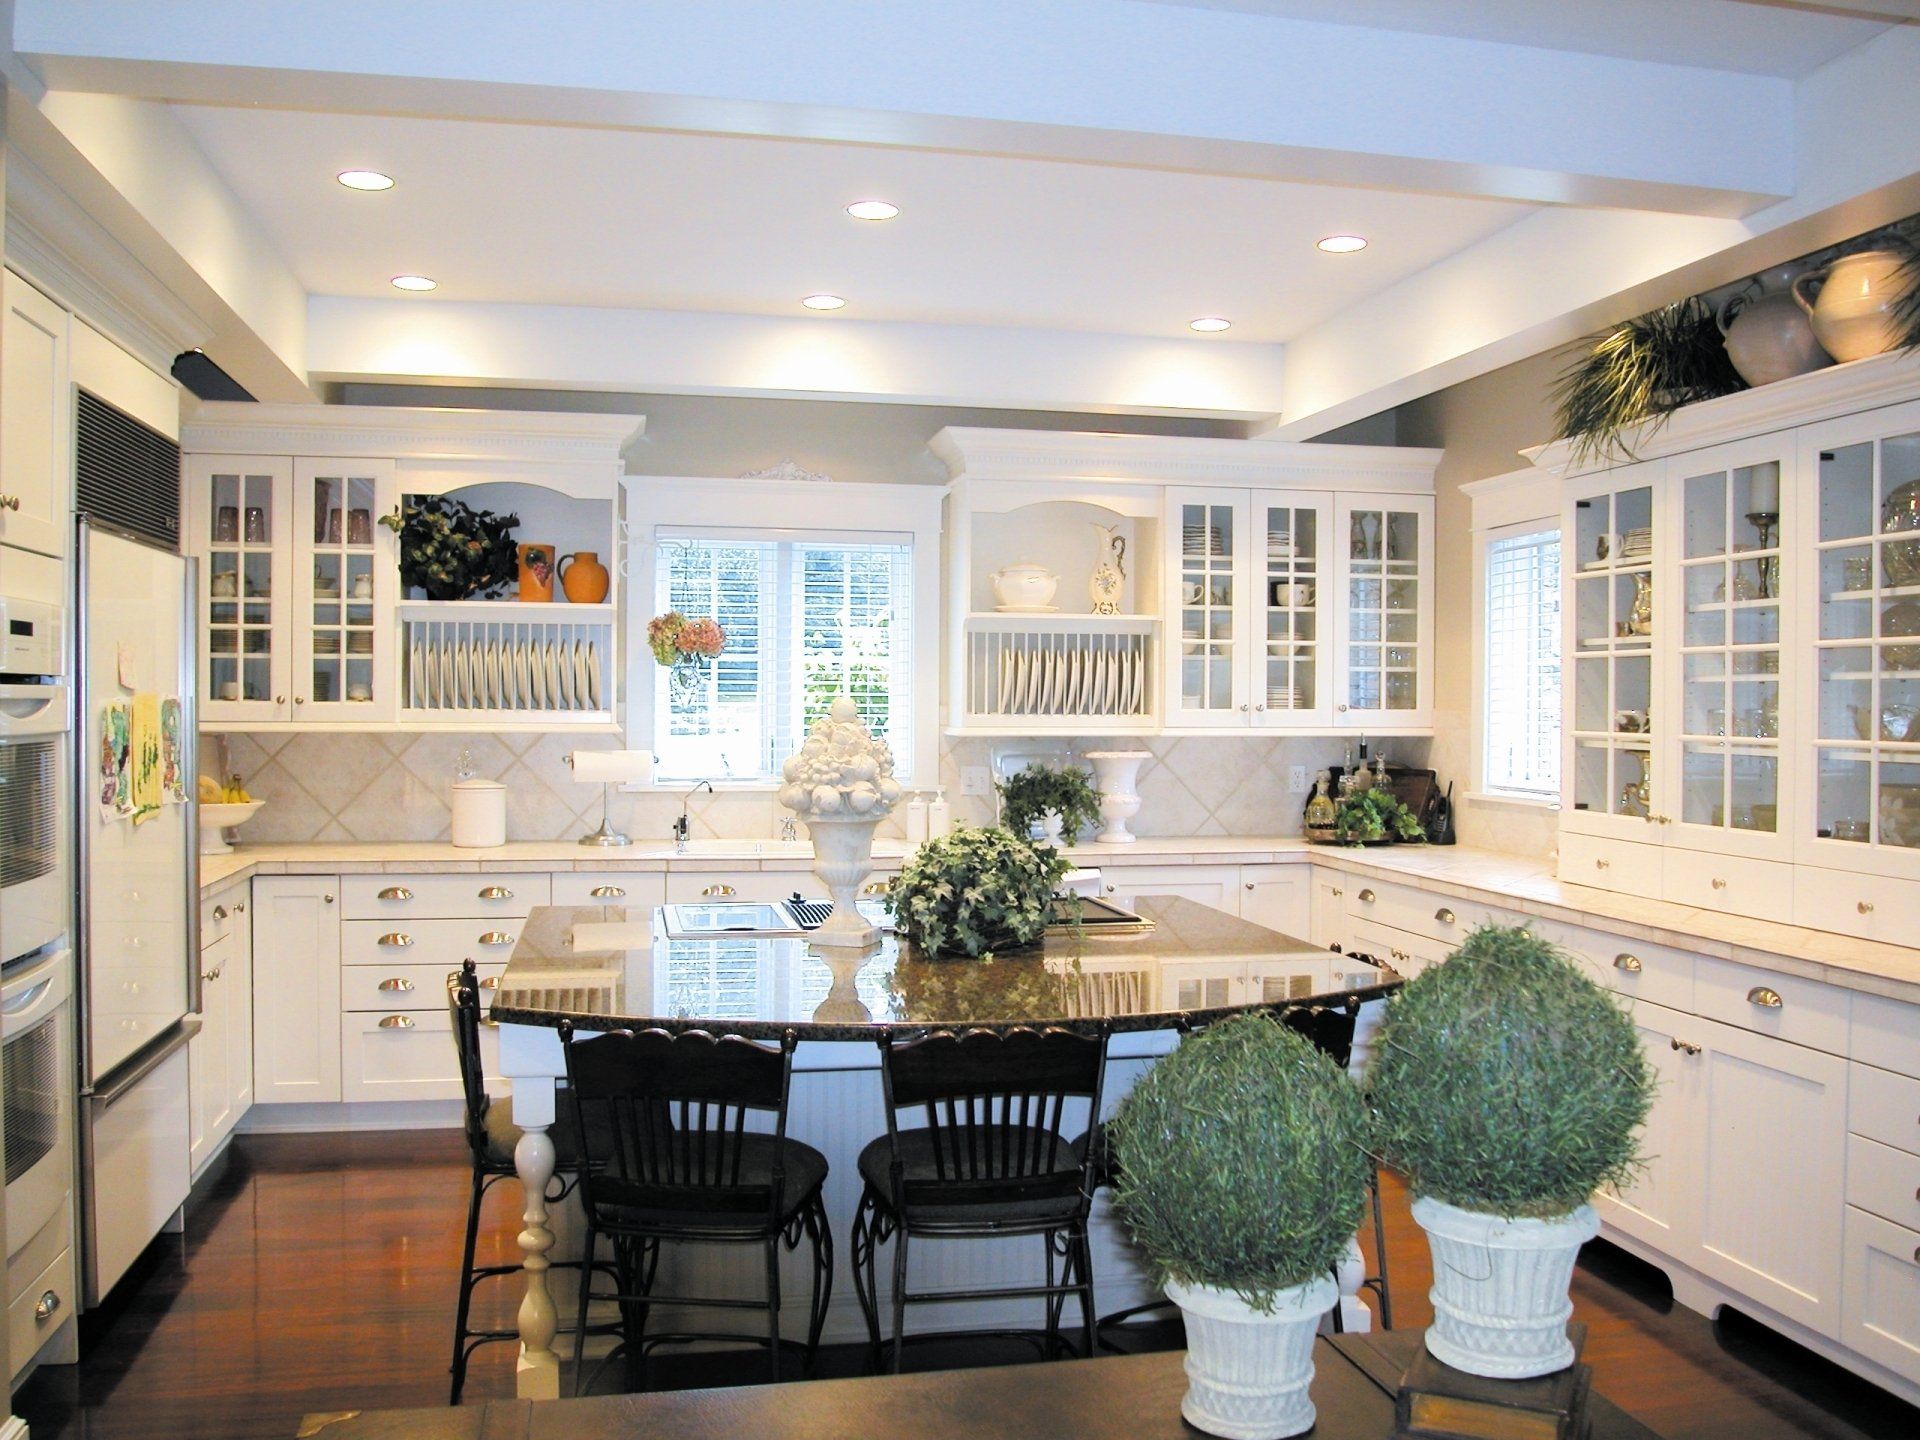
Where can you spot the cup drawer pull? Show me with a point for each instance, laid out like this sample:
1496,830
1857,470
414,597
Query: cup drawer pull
219,913
1443,915
1718,883
1865,907
496,937
395,892
717,892
1366,897
1680,1044
608,892
1603,864
396,985
395,940
492,982
1629,963
496,892
396,1022
44,1307
1765,997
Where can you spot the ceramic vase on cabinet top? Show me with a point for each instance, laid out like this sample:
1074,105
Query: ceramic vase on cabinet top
1768,335
585,579
536,573
1852,303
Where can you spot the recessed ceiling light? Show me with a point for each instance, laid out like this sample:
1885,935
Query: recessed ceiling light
822,302
1343,244
364,180
873,210
1209,324
414,282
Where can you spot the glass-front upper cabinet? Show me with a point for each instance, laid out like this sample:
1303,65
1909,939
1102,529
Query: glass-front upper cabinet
1290,686
1733,715
1861,789
236,517
346,577
1385,549
1209,569
1615,539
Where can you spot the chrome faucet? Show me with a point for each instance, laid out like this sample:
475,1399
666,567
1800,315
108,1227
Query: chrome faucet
789,828
681,826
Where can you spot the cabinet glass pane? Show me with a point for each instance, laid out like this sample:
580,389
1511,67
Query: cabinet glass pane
1383,601
341,623
1207,640
1900,801
1291,595
238,575
1843,785
1610,779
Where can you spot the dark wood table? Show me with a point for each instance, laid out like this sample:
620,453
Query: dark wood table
1131,1397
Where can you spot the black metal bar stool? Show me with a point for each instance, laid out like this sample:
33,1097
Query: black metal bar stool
491,1137
990,1160
668,1158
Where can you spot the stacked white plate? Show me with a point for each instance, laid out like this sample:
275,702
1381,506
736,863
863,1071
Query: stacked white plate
1637,544
1068,682
554,674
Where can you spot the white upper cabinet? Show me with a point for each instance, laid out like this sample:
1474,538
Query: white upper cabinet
36,434
345,575
238,519
1383,614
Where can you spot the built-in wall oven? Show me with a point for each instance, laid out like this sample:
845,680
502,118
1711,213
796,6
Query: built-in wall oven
36,998
36,889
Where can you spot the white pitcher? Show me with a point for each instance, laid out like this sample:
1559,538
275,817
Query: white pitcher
1853,313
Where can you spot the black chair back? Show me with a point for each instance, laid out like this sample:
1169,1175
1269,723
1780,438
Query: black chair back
662,1120
463,1004
994,1106
1329,1028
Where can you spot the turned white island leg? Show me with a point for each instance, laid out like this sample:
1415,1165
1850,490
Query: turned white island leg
531,1060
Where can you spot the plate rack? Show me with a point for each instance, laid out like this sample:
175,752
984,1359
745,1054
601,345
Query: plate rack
1073,672
504,662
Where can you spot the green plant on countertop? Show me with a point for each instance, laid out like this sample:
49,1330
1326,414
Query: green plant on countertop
1027,796
1506,1081
1642,369
1243,1160
976,891
1365,817
451,550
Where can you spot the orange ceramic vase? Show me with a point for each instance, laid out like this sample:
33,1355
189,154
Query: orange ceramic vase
583,577
536,572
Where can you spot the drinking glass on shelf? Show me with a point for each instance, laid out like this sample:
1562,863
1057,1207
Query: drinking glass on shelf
360,527
256,525
226,524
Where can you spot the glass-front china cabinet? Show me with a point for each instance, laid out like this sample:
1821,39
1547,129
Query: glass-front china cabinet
1386,568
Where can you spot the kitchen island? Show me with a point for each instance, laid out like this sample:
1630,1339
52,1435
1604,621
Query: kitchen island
616,967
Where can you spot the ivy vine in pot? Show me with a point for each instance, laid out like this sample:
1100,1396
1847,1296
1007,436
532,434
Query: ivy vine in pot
451,550
972,892
1033,793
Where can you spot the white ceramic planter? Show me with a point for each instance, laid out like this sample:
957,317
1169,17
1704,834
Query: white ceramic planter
1500,1301
1114,774
842,858
1248,1372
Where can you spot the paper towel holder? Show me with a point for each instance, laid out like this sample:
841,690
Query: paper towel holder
610,768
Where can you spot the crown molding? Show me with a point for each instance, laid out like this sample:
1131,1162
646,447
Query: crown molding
495,437
1081,456
63,250
1802,400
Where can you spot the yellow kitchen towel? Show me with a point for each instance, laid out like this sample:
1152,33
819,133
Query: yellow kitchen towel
149,789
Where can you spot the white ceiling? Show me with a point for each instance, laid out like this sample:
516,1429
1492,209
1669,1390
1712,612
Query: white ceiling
1749,36
652,220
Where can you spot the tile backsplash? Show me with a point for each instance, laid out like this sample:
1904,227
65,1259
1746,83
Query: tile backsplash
394,786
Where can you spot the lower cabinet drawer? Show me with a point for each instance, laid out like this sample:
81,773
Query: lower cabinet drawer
1418,912
1874,907
423,897
1788,1007
1729,884
1655,973
444,943
1885,1032
1880,1295
1407,953
623,887
407,988
394,1055
685,887
1883,1181
40,1309
1884,1106
1610,864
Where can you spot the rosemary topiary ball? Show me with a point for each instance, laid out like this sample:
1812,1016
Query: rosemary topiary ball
1243,1160
1506,1081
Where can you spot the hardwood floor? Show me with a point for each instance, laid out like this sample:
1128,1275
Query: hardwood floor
317,1273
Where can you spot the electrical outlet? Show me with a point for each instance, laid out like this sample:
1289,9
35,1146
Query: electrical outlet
1296,780
976,780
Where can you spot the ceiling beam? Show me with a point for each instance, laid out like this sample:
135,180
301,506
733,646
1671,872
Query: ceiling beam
1102,81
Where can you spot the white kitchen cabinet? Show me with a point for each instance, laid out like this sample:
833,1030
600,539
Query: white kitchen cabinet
1382,640
1278,897
1659,1206
1880,1307
220,1057
1327,914
36,441
237,508
296,990
633,888
1215,885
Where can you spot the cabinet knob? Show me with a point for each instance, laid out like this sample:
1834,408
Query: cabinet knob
396,1022
1443,915
717,892
219,912
1338,892
496,937
1243,707
1342,707
209,976
299,699
1718,883
1865,907
1682,1045
1629,963
395,940
49,1302
395,892
327,898
607,892
1249,885
495,892
1366,897
1765,997
1603,864
239,907
396,985
1257,707
10,502
1110,890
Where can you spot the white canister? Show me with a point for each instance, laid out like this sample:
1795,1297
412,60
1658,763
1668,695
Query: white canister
479,814
916,821
939,816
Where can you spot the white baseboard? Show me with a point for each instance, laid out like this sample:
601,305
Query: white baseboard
370,1115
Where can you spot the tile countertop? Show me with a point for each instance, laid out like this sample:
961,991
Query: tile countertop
1514,882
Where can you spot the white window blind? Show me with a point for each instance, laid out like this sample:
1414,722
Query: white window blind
808,617
1523,664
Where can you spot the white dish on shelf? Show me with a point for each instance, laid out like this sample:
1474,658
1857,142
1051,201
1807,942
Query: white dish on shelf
556,691
563,668
1026,609
496,679
593,674
536,677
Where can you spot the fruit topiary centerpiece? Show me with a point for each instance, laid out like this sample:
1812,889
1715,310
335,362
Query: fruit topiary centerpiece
1509,1087
841,784
973,892
1242,1164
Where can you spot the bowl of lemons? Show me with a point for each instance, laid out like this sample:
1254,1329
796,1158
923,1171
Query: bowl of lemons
221,808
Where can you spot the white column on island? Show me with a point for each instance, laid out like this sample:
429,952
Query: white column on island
530,1060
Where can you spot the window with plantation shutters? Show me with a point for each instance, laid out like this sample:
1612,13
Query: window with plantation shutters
1522,730
808,616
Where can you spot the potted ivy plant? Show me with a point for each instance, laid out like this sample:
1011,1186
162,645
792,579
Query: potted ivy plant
1508,1088
1049,802
972,892
1242,1163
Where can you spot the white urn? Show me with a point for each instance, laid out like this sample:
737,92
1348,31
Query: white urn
1853,303
1249,1371
841,784
1114,775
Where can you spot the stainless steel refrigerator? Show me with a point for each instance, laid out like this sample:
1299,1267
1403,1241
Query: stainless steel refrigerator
137,913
